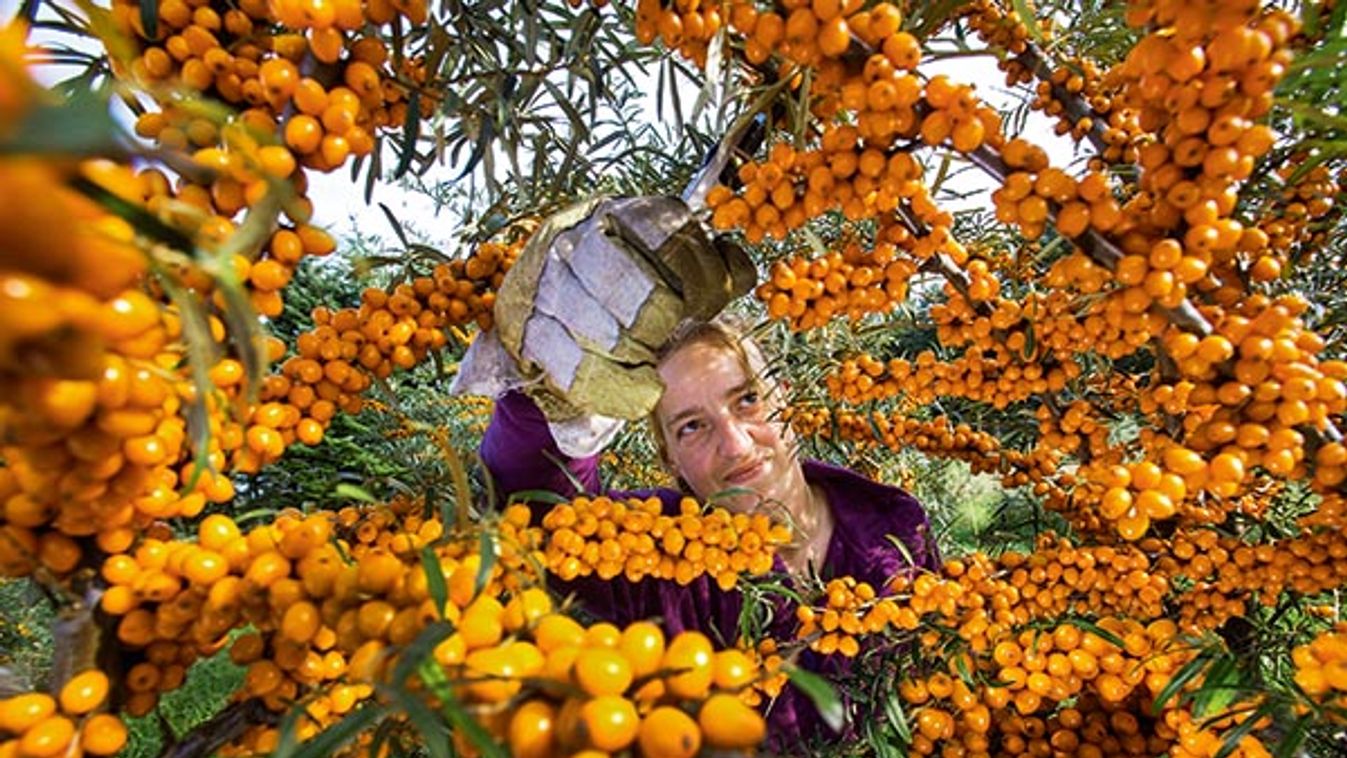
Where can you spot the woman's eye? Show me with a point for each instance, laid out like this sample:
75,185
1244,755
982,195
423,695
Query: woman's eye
749,399
688,428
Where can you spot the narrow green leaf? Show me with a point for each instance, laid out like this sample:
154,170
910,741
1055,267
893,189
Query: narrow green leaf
901,547
1180,679
1030,22
328,741
1231,739
822,694
411,131
893,712
202,354
149,18
144,223
347,491
419,650
536,496
479,151
730,492
1218,687
438,45
1097,630
575,482
375,169
486,546
579,127
462,490
433,677
435,734
435,584
1290,742
397,225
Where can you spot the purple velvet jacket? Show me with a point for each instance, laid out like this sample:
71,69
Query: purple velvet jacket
520,454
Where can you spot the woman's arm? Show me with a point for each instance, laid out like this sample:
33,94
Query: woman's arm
520,454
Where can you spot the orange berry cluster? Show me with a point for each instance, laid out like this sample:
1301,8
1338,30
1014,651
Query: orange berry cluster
956,116
1321,668
1078,80
1198,88
855,282
66,264
818,34
844,173
1108,678
999,380
1033,191
1298,218
607,689
335,362
636,540
687,26
540,683
1135,494
1252,381
36,724
95,458
1075,429
863,65
1227,572
253,55
937,436
241,174
851,609
983,599
1115,326
1073,90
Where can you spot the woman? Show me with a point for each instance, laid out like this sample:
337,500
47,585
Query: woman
717,427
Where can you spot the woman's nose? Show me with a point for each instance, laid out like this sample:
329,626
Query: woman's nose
735,439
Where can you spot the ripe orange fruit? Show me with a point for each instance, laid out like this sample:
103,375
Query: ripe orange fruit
733,669
20,713
532,730
728,723
556,630
691,655
84,692
834,37
610,722
668,732
103,734
303,133
602,671
642,645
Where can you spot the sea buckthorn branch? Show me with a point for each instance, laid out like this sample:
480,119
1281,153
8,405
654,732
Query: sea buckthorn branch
1074,105
636,540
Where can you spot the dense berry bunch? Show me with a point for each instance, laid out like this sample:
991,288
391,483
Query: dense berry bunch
635,539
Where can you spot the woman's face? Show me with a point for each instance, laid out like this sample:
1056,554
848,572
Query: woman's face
721,432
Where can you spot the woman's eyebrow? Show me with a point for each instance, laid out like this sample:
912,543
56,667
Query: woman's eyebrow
738,389
679,417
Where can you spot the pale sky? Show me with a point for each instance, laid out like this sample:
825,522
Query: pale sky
339,202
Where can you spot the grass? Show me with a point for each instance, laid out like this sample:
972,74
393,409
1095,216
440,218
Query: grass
210,683
25,633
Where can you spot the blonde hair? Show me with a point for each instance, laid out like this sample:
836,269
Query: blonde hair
728,333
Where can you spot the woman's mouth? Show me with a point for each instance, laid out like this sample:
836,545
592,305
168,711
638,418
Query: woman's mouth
744,474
